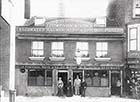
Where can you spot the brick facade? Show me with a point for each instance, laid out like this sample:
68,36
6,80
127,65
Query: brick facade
4,54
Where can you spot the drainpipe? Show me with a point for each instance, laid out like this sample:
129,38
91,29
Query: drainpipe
12,91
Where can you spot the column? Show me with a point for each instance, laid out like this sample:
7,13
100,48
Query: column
109,82
121,74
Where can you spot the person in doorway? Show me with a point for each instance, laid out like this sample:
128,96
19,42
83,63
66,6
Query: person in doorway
60,85
77,83
69,88
118,84
83,88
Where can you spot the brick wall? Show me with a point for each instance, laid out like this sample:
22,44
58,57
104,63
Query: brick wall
23,51
129,13
4,54
120,12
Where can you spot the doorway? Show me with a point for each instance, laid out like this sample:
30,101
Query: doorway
80,74
64,76
115,76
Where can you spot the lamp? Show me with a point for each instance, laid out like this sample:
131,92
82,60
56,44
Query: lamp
78,57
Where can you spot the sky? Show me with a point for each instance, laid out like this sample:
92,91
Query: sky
71,8
52,8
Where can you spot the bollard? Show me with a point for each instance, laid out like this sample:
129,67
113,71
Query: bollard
12,95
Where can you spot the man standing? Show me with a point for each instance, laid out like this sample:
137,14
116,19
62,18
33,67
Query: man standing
77,83
83,87
69,88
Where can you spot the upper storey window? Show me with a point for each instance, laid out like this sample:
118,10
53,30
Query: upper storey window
134,37
101,49
57,49
136,9
83,48
37,48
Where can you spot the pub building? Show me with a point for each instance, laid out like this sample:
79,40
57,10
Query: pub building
46,48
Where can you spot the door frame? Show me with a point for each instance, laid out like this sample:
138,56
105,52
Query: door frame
120,74
61,71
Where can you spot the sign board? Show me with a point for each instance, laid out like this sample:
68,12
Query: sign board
133,54
69,26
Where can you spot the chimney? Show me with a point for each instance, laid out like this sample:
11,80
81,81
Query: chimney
27,9
61,9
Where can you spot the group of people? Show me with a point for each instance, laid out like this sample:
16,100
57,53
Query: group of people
79,87
132,87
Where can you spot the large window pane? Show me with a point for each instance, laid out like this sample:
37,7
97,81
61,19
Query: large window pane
83,48
36,77
97,78
133,39
37,48
57,49
48,78
137,7
32,77
133,45
101,49
133,33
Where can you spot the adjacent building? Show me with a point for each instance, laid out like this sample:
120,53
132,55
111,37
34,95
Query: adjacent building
126,13
48,50
4,53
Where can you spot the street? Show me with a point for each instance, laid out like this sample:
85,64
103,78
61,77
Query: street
69,99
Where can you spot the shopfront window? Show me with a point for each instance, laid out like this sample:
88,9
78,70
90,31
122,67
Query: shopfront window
83,48
97,78
48,80
101,49
37,48
36,77
57,49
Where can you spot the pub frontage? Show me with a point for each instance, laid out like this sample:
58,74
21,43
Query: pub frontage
47,51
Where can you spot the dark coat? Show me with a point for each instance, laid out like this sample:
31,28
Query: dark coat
83,88
69,89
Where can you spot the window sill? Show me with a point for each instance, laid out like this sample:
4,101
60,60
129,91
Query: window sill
57,58
84,58
103,59
36,58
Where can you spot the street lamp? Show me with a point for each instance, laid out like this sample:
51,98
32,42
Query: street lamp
79,60
78,57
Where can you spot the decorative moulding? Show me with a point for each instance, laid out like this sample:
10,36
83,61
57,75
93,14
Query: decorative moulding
103,59
57,58
84,58
36,58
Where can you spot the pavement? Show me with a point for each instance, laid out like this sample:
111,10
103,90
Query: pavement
69,99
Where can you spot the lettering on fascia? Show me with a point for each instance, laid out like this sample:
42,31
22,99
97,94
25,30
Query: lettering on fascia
31,29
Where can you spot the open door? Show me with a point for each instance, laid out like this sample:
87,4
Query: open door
64,76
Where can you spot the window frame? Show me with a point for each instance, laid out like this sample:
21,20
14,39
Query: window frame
102,50
136,39
134,9
93,76
83,50
45,76
33,49
57,49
